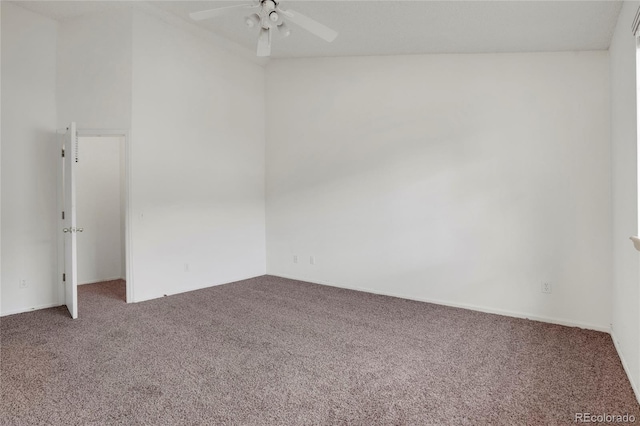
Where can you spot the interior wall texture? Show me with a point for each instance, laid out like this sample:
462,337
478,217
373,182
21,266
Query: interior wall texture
198,194
94,70
52,73
29,153
99,207
625,327
198,162
468,180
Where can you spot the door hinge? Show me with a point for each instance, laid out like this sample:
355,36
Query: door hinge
62,215
64,277
63,153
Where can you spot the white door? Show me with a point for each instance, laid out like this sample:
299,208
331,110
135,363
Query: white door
70,254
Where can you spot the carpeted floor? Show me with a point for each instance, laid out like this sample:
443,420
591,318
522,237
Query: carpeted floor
281,352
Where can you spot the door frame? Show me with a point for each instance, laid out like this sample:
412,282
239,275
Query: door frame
128,206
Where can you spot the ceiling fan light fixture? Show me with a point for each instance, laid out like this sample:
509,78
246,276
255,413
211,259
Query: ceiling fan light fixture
284,30
252,20
274,16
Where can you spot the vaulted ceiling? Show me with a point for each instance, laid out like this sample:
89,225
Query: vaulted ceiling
404,27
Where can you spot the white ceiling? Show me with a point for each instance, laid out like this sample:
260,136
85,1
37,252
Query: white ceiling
405,27
60,10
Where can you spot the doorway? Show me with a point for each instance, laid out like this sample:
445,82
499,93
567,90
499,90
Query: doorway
100,209
94,183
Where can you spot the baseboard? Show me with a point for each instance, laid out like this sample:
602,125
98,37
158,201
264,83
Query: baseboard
634,385
513,314
34,308
194,288
101,280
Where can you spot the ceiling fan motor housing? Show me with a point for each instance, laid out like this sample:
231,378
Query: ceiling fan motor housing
270,18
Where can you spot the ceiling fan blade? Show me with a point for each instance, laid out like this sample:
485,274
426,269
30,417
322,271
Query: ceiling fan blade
264,42
310,25
212,13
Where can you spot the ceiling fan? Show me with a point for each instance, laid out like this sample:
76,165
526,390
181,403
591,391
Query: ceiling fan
268,16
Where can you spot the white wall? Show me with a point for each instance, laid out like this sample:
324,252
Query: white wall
626,265
198,147
29,159
123,209
463,179
99,209
213,194
0,165
94,71
198,162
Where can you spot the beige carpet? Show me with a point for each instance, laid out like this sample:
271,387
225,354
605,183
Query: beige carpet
271,351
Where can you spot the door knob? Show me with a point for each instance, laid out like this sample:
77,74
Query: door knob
72,229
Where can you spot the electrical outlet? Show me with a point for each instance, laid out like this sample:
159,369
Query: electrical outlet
23,283
186,267
295,258
546,287
312,260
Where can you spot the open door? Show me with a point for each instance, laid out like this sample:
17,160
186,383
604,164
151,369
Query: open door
70,254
